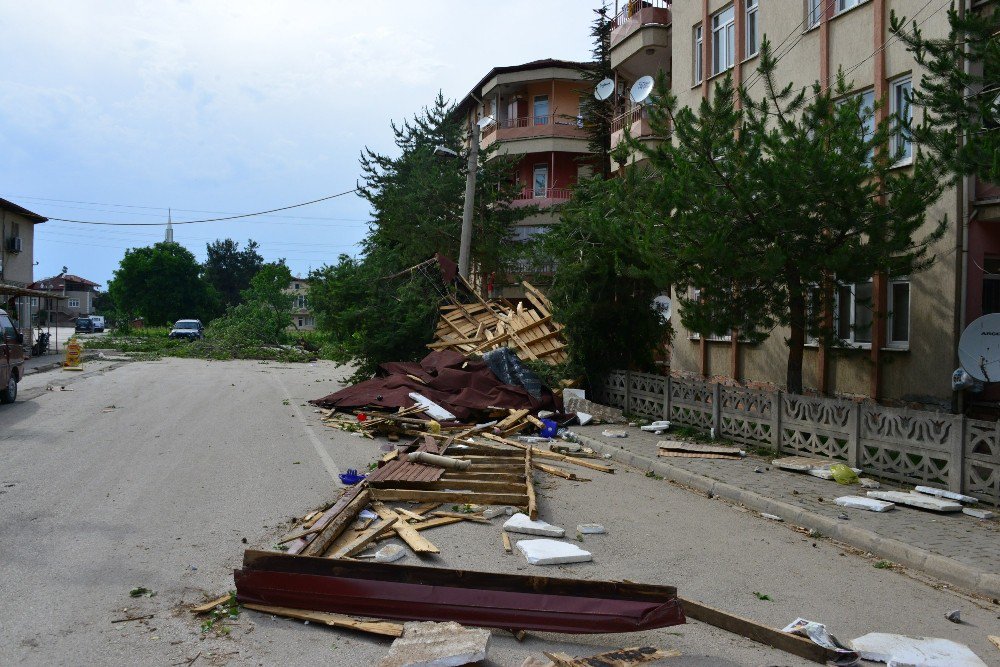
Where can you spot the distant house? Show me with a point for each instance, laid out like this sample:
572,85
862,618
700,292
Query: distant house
79,294
17,259
302,317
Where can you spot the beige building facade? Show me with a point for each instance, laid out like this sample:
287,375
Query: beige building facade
302,315
17,259
900,332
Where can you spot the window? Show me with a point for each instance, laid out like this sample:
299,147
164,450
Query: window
296,286
34,302
991,285
866,114
752,29
301,321
815,12
541,110
844,5
7,328
300,301
699,41
902,140
73,303
541,182
854,313
723,40
899,313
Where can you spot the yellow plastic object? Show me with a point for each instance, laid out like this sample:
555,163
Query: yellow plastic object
843,475
434,427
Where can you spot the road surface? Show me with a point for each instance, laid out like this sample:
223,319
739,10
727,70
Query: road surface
159,474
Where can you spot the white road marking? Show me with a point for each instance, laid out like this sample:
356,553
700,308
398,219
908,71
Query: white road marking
328,463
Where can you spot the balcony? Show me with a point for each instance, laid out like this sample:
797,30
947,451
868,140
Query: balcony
636,122
550,197
534,127
637,14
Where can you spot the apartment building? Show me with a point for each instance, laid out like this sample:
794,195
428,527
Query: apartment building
17,260
302,315
900,332
535,116
79,297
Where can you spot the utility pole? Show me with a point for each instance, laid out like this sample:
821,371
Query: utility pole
465,245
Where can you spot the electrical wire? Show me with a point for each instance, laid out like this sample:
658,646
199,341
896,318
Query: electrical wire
191,222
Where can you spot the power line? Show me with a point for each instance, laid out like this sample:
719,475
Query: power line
191,222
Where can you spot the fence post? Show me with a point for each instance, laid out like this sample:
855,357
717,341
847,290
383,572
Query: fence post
776,423
717,409
666,398
956,465
627,408
854,436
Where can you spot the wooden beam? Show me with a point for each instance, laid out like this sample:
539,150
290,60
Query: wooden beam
530,486
550,455
558,472
206,607
337,524
506,541
364,539
406,532
464,516
333,620
515,499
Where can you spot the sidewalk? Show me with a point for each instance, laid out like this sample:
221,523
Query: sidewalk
46,362
958,549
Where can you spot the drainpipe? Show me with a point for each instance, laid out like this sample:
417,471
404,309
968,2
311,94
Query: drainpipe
963,193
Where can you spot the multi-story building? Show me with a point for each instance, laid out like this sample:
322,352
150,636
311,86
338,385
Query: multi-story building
302,316
17,259
900,332
536,117
79,297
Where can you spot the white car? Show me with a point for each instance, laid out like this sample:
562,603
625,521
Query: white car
98,321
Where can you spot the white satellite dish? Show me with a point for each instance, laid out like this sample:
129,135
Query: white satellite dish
979,348
604,89
485,122
641,89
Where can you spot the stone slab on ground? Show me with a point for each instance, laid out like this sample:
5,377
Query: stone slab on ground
429,644
950,495
520,523
905,651
603,413
591,529
920,500
552,552
978,513
861,503
802,463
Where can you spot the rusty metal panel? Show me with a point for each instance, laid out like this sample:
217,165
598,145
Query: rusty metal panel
471,598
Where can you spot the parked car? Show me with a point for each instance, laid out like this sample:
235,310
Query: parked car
11,359
190,329
98,321
84,325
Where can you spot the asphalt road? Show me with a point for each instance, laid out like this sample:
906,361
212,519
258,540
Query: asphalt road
155,473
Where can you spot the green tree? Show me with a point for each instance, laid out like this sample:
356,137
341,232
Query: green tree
263,315
598,114
608,248
162,283
229,269
962,104
771,201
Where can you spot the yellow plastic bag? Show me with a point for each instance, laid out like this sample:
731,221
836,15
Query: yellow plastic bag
843,475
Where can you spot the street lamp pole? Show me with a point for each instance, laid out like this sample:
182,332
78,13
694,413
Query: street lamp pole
465,244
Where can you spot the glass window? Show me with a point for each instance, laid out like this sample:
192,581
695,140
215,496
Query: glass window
866,114
899,312
991,285
541,109
815,11
752,28
7,328
844,5
723,40
73,303
541,182
902,140
699,41
854,313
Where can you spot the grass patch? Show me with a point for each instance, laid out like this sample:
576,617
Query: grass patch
153,343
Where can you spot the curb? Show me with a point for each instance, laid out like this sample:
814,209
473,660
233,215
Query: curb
942,567
42,369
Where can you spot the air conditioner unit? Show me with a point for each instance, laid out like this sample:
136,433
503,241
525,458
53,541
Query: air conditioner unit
14,244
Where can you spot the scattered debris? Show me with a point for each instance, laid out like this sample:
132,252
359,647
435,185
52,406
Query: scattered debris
656,427
141,591
552,552
862,503
591,529
389,553
333,620
429,644
917,500
923,651
867,483
819,635
955,616
520,523
208,606
614,433
600,413
950,495
623,657
697,450
772,517
978,513
995,640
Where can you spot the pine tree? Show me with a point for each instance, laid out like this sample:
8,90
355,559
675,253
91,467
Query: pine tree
598,114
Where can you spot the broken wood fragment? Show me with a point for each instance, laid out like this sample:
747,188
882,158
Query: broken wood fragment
465,516
506,541
333,620
206,607
405,531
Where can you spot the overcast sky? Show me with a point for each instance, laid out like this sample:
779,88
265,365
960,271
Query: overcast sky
114,111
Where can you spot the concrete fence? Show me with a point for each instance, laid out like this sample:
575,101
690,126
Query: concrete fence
908,446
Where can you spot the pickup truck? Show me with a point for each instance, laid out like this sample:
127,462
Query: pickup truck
11,358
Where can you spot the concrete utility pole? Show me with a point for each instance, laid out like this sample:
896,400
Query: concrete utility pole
465,245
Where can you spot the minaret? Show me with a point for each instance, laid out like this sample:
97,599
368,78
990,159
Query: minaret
169,238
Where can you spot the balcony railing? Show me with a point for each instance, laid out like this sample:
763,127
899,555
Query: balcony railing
629,118
635,8
550,196
536,121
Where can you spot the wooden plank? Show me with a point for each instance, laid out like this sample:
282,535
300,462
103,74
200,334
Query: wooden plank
425,508
364,539
745,627
515,499
550,455
206,607
511,419
470,476
301,533
558,472
428,523
622,657
465,516
333,620
530,486
538,294
337,524
506,541
406,533
408,514
445,485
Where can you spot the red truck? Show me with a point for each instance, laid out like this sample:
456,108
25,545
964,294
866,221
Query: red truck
11,359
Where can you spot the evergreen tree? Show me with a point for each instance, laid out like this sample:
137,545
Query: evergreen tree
229,269
767,203
959,103
598,114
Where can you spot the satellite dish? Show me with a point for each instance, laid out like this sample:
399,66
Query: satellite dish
604,89
979,348
641,89
485,122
